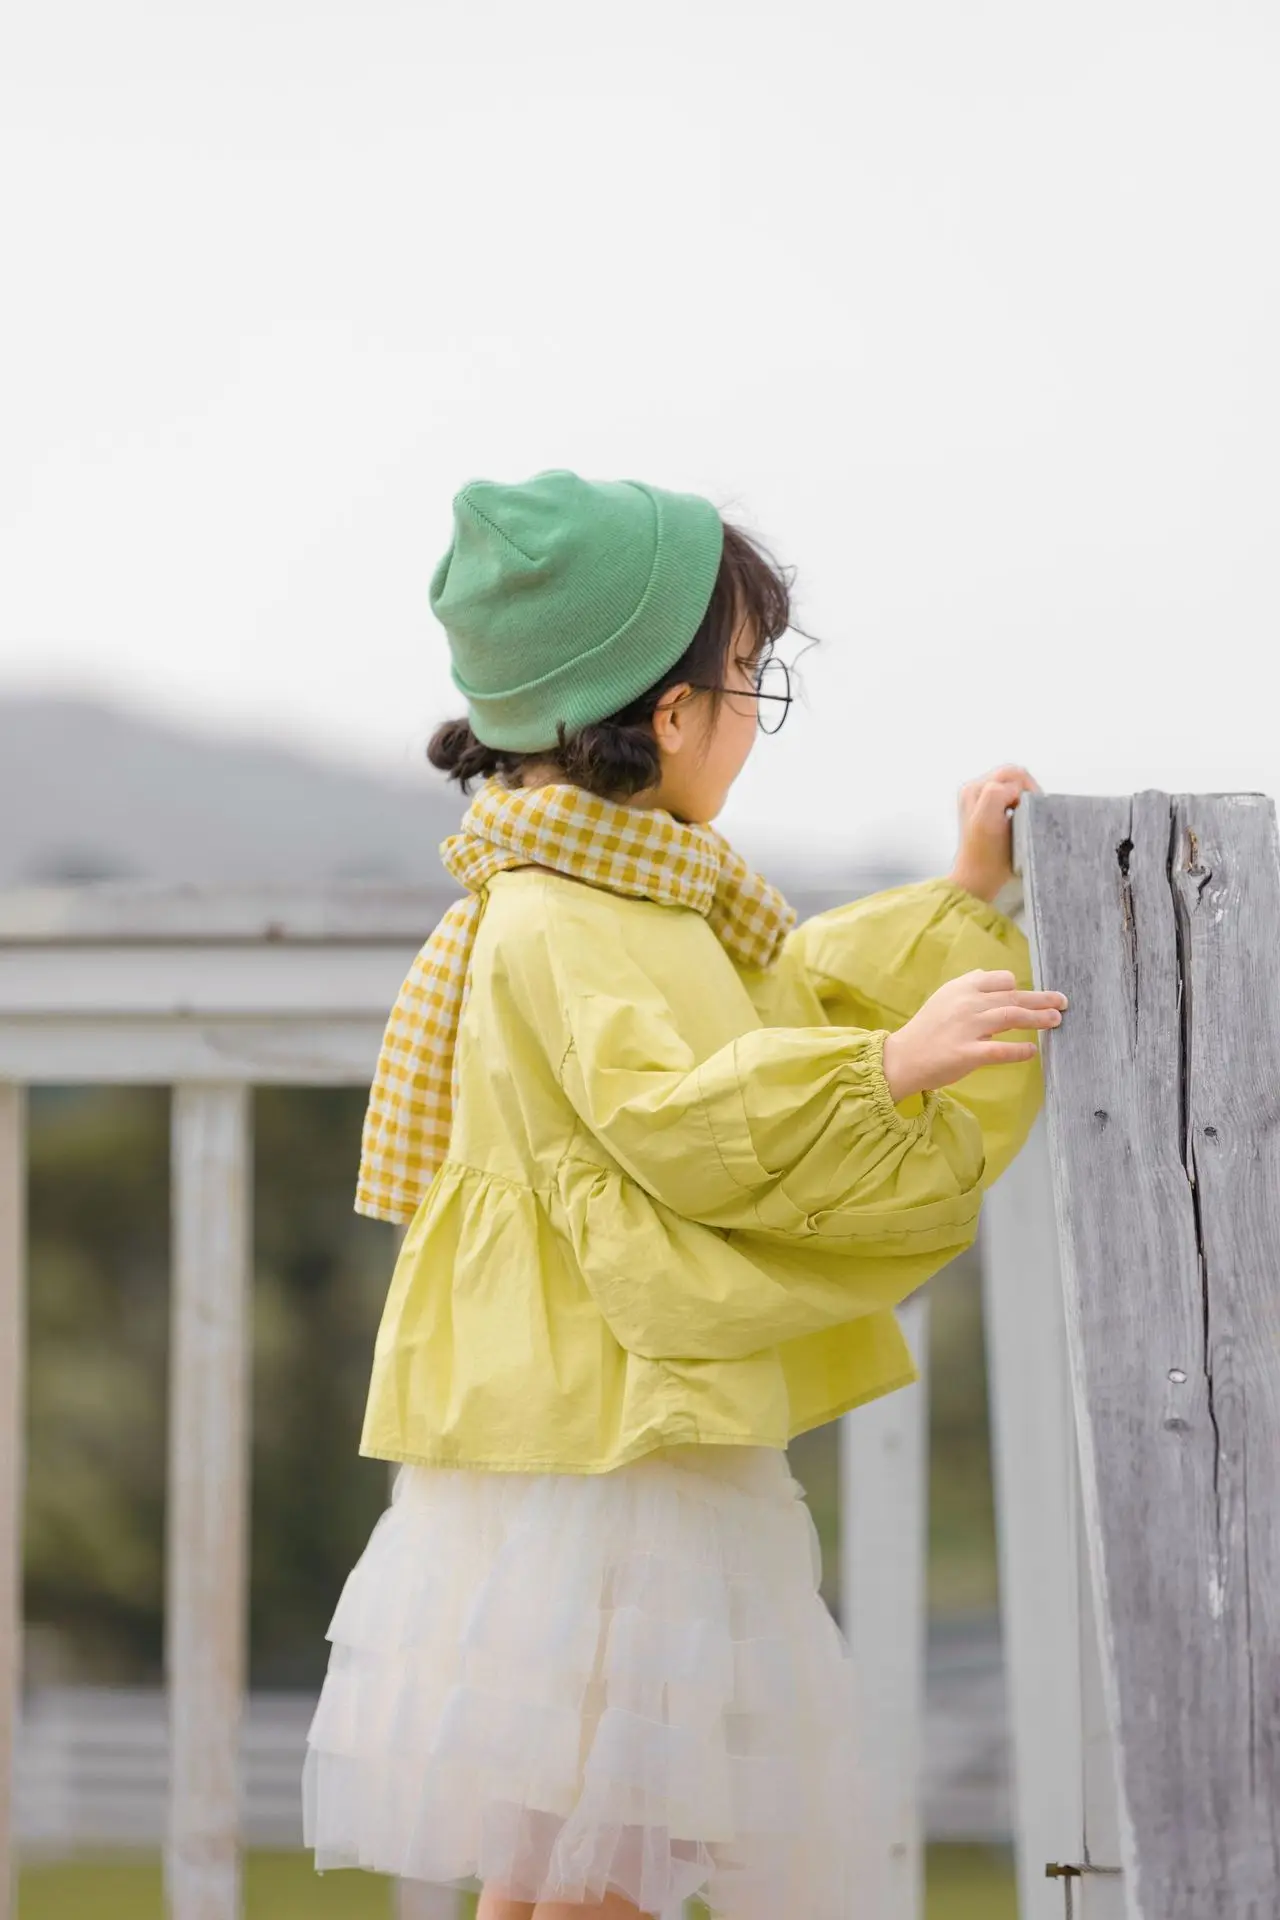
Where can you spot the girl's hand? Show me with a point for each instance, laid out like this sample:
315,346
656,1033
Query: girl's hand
984,862
951,1034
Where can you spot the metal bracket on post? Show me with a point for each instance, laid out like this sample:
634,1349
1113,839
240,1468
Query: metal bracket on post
1068,1875
1054,1871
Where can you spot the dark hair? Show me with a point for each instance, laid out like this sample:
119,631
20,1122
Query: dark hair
618,757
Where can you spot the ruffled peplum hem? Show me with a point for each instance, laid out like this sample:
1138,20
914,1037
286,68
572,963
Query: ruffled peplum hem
567,1685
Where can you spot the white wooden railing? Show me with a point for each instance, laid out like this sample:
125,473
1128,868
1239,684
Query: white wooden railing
214,994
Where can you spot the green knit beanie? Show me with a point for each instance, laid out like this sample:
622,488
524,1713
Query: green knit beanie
564,599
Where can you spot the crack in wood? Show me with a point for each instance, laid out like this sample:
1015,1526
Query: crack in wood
1179,1475
1184,1016
1194,866
1123,854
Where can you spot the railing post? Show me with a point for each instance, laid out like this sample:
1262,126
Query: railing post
13,1334
208,1495
1037,1500
883,1532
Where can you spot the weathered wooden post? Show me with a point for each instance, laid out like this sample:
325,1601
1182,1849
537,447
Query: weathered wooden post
1160,918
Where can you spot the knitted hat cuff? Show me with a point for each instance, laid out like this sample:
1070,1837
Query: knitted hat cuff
527,718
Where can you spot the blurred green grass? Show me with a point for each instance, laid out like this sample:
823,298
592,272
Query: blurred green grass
964,1883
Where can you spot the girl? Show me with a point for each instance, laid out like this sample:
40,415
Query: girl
667,1163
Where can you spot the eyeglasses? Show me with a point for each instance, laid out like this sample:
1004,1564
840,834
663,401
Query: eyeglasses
772,690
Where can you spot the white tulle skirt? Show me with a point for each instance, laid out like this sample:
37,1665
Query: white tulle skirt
564,1685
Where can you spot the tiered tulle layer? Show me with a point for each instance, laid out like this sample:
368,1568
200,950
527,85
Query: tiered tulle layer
563,1685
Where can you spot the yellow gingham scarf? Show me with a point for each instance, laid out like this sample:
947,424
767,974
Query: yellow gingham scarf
628,850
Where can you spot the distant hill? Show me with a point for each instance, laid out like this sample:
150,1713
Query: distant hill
91,792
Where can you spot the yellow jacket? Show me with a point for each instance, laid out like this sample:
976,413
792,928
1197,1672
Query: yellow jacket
679,1203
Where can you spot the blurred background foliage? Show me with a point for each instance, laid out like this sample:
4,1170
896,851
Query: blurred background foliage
98,1404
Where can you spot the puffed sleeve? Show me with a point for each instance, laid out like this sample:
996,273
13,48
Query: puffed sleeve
874,964
725,1196
786,1131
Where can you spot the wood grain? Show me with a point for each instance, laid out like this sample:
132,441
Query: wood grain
208,1496
1160,918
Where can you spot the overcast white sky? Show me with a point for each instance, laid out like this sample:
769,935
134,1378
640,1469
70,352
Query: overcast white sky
971,310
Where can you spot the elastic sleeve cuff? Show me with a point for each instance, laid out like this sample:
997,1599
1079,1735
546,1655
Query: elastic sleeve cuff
897,1122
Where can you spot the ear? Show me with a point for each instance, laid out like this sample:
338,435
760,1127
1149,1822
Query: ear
672,718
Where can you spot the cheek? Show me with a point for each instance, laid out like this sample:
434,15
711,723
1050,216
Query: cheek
734,737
